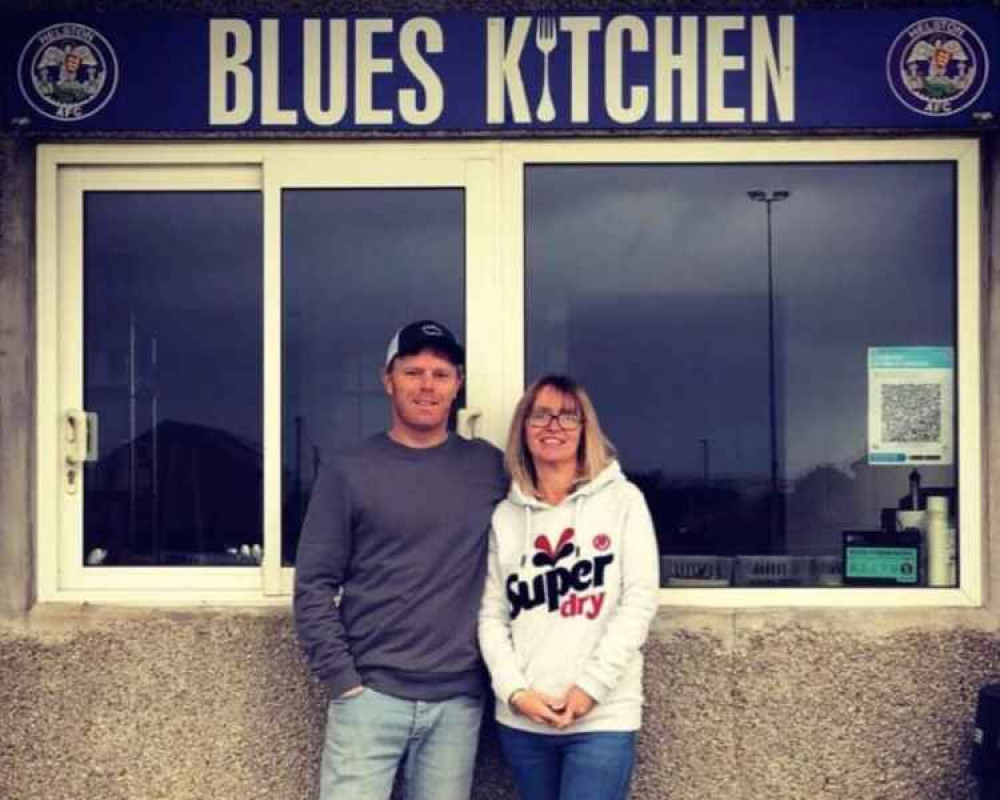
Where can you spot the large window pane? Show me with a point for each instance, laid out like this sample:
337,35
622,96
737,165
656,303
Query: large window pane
172,364
357,265
650,283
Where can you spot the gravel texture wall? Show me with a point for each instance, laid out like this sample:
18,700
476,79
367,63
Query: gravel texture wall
155,705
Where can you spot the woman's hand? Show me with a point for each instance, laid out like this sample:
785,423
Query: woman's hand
576,704
538,707
552,711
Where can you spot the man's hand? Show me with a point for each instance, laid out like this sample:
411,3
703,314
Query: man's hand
537,707
351,692
576,704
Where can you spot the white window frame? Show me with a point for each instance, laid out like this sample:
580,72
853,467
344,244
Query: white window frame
66,172
492,175
964,153
469,167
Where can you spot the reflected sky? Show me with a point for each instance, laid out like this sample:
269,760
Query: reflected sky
650,283
173,326
357,264
647,282
173,310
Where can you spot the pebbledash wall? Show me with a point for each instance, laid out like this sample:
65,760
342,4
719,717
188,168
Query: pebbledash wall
742,704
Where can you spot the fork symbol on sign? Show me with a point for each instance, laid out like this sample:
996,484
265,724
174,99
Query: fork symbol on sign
545,41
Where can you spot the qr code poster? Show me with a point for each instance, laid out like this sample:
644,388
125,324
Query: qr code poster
911,408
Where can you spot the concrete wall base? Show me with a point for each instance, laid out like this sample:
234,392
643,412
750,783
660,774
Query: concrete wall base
155,705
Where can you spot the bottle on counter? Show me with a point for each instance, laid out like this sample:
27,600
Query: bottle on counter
941,562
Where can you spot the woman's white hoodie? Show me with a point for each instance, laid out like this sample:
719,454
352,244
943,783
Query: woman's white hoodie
570,593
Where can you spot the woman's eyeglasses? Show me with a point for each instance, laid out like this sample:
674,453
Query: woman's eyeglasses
568,420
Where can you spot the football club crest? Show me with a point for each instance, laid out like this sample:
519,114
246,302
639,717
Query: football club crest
67,72
937,66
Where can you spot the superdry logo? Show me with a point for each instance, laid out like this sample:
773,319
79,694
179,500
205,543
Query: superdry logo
547,555
560,588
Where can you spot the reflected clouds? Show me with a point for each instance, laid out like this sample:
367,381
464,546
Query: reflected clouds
649,282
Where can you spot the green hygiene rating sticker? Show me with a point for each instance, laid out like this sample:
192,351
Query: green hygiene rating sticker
882,564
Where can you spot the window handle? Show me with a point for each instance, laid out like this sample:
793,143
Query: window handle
467,419
80,437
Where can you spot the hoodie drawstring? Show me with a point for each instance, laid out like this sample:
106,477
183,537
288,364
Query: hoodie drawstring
577,516
527,544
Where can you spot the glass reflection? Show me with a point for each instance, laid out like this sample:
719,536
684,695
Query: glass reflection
172,368
357,265
650,284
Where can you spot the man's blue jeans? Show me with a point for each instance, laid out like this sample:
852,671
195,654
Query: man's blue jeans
574,766
368,735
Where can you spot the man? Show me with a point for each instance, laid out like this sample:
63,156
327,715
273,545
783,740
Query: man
389,577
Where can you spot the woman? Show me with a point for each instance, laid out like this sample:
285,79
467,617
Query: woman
572,587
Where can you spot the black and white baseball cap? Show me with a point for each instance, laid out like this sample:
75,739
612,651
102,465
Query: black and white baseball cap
425,334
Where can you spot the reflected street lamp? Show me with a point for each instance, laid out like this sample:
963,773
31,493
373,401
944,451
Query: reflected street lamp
769,198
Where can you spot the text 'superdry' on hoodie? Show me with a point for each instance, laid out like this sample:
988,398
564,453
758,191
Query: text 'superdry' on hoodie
570,593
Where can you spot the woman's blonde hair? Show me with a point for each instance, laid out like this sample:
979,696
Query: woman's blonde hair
594,453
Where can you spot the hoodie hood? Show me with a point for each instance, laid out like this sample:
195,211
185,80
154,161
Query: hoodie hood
610,474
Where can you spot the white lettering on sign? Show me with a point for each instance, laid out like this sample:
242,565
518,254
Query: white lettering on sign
579,30
682,60
366,67
712,69
271,112
230,44
329,110
233,83
778,73
688,83
718,64
503,70
619,109
429,32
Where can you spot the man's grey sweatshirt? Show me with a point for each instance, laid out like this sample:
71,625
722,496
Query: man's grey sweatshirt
399,535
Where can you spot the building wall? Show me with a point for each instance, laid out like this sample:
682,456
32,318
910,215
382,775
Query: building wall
147,704
16,372
741,705
144,705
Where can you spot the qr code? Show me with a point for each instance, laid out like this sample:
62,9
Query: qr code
911,412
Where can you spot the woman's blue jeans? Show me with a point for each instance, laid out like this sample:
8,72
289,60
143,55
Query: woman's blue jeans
573,766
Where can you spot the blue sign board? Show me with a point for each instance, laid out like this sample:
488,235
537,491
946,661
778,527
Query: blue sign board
479,72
